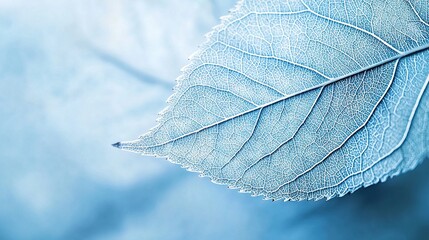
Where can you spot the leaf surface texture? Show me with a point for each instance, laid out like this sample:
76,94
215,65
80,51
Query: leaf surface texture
302,100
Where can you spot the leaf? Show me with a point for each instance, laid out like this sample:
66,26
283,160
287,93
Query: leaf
302,100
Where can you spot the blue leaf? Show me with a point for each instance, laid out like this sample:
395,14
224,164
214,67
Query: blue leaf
302,99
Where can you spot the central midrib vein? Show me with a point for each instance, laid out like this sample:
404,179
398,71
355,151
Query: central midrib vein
330,81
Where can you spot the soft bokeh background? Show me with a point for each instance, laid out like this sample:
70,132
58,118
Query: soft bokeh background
76,76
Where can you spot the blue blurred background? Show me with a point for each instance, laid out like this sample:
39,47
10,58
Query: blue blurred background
76,76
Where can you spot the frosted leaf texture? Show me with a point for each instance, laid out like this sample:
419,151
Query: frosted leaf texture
302,100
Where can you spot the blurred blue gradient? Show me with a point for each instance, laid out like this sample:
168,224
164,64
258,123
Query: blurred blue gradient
76,76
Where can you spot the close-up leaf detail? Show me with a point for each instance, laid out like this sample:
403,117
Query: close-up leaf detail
299,100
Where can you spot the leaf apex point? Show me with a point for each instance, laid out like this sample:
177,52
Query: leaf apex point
117,145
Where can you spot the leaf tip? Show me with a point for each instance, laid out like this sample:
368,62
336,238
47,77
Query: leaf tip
117,145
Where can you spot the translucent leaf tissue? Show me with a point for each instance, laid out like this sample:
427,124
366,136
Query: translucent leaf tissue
300,100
